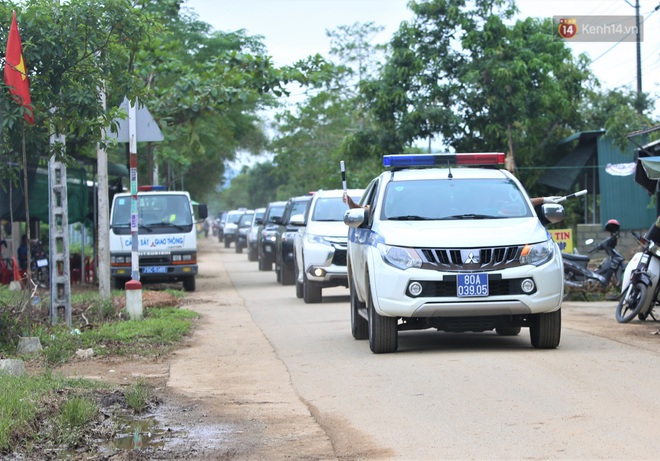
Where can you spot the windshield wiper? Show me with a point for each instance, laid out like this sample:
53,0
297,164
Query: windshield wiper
147,228
472,216
171,224
409,217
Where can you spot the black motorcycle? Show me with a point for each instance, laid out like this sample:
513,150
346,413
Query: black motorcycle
578,278
39,264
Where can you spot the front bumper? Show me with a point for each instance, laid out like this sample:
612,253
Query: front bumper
157,273
438,297
326,264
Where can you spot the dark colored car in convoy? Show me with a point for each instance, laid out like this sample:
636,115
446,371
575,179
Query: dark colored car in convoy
284,259
254,232
267,238
242,232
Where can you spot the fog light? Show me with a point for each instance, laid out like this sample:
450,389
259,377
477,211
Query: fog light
415,289
319,272
527,285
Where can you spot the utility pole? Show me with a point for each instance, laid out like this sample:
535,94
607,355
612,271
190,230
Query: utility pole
639,57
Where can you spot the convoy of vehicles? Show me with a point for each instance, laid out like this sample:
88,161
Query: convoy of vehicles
446,242
166,239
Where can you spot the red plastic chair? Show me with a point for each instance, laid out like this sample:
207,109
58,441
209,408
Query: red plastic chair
89,269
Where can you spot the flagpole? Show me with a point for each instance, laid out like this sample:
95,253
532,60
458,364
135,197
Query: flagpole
27,227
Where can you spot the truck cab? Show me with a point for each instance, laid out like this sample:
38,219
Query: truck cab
166,237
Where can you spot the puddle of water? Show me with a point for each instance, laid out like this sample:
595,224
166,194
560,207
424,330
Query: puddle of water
140,434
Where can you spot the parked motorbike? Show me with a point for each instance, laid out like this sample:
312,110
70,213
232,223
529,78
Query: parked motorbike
639,291
578,278
39,264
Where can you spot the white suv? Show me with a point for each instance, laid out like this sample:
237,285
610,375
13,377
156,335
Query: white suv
320,246
451,248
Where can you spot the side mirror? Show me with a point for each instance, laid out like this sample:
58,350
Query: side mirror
355,217
552,212
276,219
258,221
202,211
589,241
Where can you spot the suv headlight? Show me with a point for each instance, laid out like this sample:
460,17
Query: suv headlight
537,254
311,238
399,257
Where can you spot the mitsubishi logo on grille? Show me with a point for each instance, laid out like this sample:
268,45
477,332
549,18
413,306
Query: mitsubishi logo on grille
470,257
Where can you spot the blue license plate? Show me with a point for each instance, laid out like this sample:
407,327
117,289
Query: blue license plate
468,285
154,270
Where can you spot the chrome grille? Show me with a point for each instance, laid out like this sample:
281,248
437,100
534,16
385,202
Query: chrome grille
471,258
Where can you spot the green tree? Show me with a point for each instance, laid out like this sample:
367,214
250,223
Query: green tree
71,51
617,112
463,73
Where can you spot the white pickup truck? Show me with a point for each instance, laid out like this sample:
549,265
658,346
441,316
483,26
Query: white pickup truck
452,248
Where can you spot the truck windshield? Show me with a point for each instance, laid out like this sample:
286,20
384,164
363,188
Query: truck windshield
153,210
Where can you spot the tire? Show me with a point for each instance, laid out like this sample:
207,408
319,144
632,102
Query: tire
252,255
239,249
189,283
264,266
287,276
120,283
278,274
359,325
227,243
545,330
508,331
311,291
383,334
631,302
299,285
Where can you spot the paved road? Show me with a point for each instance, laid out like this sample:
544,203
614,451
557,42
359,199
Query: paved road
462,396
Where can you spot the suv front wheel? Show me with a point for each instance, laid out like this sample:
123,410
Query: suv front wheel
383,331
359,325
311,291
545,330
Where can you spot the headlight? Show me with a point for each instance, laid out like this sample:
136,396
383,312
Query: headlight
537,254
399,257
317,239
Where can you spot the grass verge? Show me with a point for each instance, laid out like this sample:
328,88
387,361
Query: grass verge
46,412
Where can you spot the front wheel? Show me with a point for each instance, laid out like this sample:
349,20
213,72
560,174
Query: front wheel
189,283
287,276
545,330
311,291
631,303
359,325
383,331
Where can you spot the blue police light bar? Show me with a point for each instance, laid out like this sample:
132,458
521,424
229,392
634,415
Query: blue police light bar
152,188
421,160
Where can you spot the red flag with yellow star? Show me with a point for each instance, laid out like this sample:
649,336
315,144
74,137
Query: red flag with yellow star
15,73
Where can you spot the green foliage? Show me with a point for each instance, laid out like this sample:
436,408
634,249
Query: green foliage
22,411
75,413
138,396
72,49
620,112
